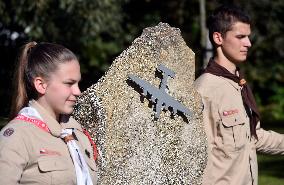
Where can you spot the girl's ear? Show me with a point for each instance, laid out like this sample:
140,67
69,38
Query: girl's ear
40,85
218,39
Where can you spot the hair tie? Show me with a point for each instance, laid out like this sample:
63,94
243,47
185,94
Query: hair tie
32,46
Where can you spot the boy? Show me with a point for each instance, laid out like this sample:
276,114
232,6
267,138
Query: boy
231,118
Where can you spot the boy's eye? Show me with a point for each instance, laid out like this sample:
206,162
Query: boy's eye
240,36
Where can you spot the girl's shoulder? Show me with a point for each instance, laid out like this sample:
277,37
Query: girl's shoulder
14,129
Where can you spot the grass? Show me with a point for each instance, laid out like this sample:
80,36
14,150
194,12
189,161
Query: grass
271,168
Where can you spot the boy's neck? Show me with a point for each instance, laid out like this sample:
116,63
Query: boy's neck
224,62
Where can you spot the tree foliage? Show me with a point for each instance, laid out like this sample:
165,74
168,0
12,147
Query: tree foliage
265,65
77,24
87,27
98,30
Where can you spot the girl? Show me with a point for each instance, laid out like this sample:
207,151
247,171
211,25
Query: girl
42,144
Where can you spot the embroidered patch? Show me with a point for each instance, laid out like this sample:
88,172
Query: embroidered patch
230,112
44,151
8,132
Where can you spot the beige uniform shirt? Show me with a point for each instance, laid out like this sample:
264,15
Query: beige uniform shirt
29,155
231,149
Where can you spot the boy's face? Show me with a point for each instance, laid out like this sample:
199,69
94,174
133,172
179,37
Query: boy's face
236,42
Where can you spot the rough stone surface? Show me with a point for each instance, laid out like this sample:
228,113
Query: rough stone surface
134,148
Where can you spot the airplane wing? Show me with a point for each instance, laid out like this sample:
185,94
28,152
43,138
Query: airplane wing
160,97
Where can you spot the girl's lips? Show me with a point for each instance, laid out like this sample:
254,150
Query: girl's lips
72,101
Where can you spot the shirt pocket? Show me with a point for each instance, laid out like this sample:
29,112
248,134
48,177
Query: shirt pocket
56,169
233,131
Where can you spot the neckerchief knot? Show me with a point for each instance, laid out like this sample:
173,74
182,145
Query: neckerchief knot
68,138
242,82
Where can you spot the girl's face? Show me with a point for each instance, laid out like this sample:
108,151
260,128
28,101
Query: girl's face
62,89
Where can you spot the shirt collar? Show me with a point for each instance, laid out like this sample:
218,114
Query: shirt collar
234,84
53,125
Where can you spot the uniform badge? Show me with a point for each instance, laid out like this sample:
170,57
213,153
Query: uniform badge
230,112
44,151
8,132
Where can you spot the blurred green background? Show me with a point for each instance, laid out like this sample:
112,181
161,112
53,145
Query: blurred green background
97,31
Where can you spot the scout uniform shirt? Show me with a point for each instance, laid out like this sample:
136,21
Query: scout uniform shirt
30,155
231,149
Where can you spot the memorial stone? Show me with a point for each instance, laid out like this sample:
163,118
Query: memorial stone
144,114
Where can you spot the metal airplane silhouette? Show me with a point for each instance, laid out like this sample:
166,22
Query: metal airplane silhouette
159,95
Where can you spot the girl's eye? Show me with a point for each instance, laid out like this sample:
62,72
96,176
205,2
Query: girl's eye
69,83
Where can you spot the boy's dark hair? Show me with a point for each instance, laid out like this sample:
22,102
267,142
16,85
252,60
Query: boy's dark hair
222,19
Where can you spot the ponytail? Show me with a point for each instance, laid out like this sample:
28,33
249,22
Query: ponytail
20,95
35,60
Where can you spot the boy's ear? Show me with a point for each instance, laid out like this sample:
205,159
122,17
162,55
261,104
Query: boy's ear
40,85
218,39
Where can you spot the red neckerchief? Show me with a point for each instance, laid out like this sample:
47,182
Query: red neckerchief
40,124
92,143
